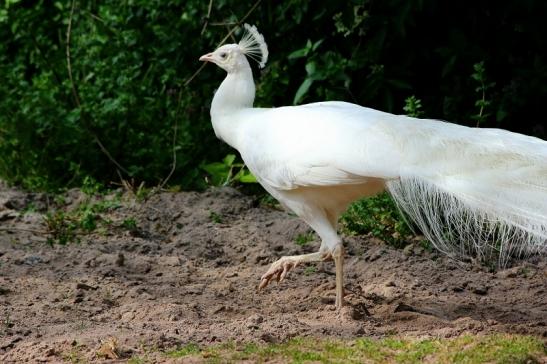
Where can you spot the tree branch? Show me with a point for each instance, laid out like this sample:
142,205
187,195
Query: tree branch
208,17
238,23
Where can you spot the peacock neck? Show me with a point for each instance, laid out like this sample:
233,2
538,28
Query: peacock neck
237,92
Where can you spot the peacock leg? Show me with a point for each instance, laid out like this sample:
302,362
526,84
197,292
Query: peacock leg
338,256
279,269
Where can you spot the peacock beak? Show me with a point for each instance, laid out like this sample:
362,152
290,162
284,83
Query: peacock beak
207,57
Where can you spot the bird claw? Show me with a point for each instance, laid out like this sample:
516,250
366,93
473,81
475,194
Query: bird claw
278,271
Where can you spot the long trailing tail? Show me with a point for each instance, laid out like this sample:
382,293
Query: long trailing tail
478,192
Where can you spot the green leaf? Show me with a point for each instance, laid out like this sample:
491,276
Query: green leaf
311,67
317,44
298,53
302,90
247,177
229,159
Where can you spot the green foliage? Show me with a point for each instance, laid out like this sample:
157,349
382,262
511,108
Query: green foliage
215,217
413,107
127,70
183,351
66,226
61,228
304,239
228,172
130,224
90,186
120,97
483,103
378,216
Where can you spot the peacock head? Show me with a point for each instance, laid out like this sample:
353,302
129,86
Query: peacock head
231,57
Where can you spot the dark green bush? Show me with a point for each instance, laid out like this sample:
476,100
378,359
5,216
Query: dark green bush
378,216
129,60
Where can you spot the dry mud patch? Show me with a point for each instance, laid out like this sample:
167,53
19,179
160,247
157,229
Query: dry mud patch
189,274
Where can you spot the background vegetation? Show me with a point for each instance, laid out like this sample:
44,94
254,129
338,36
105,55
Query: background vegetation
97,88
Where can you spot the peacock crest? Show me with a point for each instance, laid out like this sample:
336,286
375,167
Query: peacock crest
252,44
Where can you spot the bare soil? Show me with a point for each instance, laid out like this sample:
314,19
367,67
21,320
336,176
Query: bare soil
189,274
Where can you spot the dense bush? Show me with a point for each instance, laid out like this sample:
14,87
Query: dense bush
129,60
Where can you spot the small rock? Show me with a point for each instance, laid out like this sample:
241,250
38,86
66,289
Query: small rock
328,300
8,215
219,309
50,352
403,307
33,260
174,317
85,287
508,273
127,316
376,255
480,290
269,338
172,261
11,343
262,259
359,312
254,320
120,260
408,250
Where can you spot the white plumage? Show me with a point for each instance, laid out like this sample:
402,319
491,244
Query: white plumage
471,191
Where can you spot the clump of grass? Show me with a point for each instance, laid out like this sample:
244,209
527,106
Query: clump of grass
61,228
465,349
215,217
304,239
64,226
186,350
130,224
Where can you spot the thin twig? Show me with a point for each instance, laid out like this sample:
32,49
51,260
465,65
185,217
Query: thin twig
26,230
175,129
208,17
231,34
221,24
96,17
107,153
194,75
75,94
224,39
482,106
68,63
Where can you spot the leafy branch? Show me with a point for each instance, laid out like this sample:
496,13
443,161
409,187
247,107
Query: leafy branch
483,103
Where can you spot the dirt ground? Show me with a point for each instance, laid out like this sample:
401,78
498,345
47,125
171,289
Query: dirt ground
189,274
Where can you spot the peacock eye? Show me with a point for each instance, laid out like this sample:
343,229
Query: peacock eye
223,55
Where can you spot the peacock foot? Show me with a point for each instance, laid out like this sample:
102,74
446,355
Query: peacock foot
279,269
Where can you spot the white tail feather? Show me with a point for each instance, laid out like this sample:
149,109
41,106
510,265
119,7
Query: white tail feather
479,192
458,229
